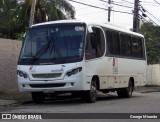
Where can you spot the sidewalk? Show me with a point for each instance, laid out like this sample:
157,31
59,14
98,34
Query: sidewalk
147,89
13,99
7,103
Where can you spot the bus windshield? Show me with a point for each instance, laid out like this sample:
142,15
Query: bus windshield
54,44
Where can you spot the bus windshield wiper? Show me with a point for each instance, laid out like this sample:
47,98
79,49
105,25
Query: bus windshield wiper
40,52
57,50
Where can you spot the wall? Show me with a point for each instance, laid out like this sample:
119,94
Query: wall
153,75
9,52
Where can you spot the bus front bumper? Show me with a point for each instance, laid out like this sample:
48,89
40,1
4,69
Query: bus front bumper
74,84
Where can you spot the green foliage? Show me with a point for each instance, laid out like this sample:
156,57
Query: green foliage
55,9
152,36
20,36
7,18
14,18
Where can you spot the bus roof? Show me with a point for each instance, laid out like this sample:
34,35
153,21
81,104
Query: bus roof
103,24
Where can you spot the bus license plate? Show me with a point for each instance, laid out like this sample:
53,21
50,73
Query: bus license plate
49,91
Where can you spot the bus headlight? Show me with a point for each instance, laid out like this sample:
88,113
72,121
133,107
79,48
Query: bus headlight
22,74
74,71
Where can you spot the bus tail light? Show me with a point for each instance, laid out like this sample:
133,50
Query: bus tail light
74,71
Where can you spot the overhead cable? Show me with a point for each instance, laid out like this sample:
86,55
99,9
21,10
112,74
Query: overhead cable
150,14
127,1
116,4
157,2
99,7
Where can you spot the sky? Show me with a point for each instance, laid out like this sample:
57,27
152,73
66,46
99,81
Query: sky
122,19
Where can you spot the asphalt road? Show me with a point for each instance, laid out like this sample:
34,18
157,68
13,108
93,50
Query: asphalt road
110,103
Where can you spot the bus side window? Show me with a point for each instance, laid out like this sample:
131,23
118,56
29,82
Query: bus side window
126,49
137,47
113,42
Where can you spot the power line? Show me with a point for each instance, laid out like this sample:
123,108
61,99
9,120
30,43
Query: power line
122,12
109,8
150,4
150,19
157,2
151,14
127,1
91,13
121,5
87,4
103,1
116,4
99,7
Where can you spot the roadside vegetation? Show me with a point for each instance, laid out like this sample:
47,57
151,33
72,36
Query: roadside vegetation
152,37
14,16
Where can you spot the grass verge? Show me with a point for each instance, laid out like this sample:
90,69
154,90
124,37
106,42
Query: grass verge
14,96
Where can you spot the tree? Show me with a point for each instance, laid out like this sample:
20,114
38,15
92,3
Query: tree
7,17
14,18
152,37
54,9
57,9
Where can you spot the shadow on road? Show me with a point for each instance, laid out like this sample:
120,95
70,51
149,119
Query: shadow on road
67,100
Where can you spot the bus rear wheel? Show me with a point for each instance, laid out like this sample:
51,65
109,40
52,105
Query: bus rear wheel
38,97
126,92
91,95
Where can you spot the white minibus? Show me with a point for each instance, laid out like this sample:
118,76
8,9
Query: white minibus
82,58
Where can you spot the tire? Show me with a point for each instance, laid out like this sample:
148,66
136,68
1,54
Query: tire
120,93
126,92
38,97
129,90
91,95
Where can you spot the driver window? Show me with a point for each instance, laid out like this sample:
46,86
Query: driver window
95,43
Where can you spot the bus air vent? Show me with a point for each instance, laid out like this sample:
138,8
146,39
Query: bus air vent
47,75
47,85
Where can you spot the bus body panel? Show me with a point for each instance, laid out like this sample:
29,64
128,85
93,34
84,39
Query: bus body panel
117,76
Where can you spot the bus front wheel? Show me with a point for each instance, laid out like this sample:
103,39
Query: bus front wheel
91,95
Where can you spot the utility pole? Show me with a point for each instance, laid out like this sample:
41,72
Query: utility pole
109,10
136,16
32,13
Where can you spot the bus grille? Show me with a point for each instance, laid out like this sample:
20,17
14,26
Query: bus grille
48,75
47,85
